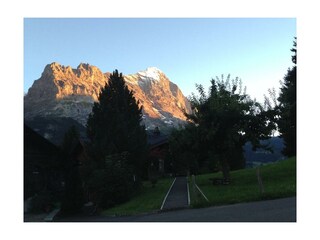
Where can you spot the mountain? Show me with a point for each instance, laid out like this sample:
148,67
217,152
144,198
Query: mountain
162,100
64,92
254,158
54,128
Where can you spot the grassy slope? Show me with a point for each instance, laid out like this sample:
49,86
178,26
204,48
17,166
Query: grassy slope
150,199
279,180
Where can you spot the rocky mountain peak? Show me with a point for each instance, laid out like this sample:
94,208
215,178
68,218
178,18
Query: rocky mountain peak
50,68
66,92
151,73
85,66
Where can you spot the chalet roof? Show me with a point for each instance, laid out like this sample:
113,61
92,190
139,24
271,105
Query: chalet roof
33,140
78,144
155,140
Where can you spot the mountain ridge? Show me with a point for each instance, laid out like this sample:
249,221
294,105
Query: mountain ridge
63,91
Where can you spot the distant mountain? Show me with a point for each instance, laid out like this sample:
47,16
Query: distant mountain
254,158
54,128
67,93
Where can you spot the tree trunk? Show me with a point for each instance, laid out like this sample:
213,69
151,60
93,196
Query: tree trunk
226,170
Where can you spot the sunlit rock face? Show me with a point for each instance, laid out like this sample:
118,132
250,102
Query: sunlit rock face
66,92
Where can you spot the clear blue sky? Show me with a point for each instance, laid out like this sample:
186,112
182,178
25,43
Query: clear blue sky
188,51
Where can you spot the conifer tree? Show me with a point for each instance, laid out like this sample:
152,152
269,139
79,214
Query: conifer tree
114,126
73,197
288,108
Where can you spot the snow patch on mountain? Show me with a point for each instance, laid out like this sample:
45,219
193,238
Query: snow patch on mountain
152,73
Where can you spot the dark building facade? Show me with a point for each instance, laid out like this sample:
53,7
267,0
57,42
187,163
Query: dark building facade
158,152
42,165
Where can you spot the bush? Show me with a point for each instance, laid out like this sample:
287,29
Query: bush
115,183
73,198
42,202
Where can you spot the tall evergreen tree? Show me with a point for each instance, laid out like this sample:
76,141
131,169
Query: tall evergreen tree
287,109
73,197
114,126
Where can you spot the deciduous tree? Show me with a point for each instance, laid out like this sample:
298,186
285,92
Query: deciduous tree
228,118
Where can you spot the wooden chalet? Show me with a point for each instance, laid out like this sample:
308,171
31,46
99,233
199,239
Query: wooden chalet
158,150
41,164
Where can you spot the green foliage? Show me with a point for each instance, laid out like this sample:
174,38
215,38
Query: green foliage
287,109
42,202
70,137
114,124
188,150
73,197
221,123
114,129
115,182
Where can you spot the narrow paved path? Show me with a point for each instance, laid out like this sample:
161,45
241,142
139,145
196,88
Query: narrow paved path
177,197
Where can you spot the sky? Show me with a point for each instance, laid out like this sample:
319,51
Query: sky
187,50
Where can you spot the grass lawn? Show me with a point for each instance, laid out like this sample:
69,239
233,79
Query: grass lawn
150,199
279,180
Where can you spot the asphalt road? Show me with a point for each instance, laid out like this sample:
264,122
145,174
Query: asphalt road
280,210
178,195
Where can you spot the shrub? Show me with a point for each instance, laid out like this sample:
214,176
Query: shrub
42,202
